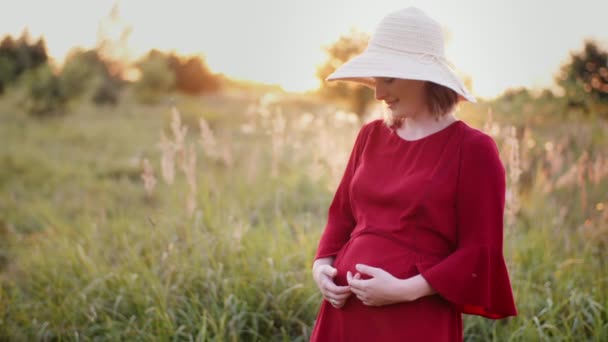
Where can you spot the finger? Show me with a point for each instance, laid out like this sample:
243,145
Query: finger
367,301
339,296
337,303
344,291
339,306
342,296
330,287
332,298
349,277
329,271
357,292
359,283
372,271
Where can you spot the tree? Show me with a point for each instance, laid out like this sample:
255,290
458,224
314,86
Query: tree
357,97
85,74
18,56
45,93
157,78
193,76
8,71
584,79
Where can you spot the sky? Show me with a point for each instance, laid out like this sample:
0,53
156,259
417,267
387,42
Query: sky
498,44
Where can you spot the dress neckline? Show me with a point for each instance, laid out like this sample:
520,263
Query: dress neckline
427,137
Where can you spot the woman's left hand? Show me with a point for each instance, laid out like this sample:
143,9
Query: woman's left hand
381,289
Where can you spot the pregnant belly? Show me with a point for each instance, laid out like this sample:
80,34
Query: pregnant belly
375,251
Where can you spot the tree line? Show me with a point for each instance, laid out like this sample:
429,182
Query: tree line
87,75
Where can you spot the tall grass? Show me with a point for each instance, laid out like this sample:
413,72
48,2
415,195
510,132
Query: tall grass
215,242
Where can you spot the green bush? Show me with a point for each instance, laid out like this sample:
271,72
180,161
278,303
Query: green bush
85,75
45,92
156,80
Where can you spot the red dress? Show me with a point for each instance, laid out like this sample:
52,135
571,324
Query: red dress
432,206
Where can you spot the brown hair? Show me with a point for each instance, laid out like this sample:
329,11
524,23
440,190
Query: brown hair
440,100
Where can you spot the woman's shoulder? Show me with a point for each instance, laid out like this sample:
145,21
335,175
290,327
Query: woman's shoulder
478,147
369,128
374,126
473,138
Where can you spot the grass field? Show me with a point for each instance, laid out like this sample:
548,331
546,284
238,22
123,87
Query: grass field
224,251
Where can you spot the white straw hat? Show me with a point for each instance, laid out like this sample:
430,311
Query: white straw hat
407,44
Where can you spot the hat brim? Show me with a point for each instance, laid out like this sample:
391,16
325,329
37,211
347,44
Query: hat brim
364,67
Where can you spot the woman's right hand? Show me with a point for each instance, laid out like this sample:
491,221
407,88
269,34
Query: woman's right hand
323,274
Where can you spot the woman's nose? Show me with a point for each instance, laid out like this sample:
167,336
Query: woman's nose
380,92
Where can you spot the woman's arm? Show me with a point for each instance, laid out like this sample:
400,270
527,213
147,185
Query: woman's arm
416,287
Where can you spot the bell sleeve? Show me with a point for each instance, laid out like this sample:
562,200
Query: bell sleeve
474,277
341,219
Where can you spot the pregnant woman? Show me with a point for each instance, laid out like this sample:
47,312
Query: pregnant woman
414,231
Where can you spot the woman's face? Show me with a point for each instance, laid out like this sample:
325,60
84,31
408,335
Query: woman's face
405,98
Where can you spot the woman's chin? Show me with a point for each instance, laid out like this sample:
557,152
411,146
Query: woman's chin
397,115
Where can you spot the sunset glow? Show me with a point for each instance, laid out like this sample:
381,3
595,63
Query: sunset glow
498,44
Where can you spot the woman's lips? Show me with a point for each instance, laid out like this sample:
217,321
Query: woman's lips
391,103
